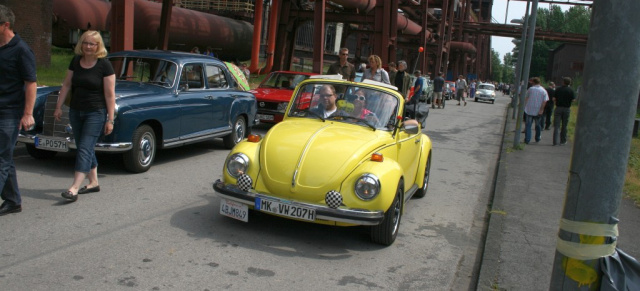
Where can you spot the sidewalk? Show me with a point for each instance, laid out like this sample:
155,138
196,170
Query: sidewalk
526,210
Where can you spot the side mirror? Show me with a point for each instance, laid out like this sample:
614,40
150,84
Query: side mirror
411,126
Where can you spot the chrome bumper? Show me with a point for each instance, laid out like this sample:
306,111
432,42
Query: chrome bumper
100,147
354,216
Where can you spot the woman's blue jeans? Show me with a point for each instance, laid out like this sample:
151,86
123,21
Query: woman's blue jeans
87,127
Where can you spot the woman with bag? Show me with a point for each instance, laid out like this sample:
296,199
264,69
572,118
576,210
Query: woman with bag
91,83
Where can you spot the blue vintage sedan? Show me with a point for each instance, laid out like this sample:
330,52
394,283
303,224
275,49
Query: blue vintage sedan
163,100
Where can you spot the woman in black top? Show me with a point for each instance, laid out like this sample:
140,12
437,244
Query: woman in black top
91,80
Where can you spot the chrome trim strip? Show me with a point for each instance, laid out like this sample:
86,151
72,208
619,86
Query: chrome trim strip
194,138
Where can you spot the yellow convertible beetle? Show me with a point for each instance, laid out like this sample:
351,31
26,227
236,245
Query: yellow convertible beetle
343,155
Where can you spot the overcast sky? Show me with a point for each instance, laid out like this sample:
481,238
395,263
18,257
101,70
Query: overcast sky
516,10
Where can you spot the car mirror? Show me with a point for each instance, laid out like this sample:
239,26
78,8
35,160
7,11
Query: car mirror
411,126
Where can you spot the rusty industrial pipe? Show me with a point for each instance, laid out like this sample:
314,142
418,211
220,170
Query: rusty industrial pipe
257,29
361,5
463,46
271,37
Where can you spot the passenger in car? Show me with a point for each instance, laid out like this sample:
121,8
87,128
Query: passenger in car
359,107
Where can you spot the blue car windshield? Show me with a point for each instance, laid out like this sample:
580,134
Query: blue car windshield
145,70
346,103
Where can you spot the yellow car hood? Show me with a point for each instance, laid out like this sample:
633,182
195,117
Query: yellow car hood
319,154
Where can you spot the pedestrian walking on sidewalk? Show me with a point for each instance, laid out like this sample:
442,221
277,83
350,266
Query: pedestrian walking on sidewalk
92,108
548,108
17,98
533,108
461,89
564,96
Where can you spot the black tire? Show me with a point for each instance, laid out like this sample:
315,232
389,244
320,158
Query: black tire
39,154
493,101
475,99
238,133
425,186
143,152
386,232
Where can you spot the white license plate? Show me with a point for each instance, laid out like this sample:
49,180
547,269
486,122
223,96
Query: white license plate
264,117
284,208
234,209
54,144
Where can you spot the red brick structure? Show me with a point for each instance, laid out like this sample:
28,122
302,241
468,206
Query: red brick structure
33,24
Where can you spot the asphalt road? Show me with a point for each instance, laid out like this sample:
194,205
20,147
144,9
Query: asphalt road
161,230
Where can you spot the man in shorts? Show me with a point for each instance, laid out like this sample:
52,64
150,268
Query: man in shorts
461,88
438,85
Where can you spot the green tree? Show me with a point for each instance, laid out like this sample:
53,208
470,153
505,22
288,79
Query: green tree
496,67
574,20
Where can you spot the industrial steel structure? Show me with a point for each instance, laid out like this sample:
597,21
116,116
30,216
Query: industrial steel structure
306,34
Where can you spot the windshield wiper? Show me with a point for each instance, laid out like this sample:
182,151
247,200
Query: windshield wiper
316,115
360,120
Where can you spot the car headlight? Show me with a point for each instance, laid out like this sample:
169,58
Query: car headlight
282,106
237,164
367,187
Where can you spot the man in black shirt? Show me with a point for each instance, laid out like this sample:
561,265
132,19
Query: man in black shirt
17,98
564,96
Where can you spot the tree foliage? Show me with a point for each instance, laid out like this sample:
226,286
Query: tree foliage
575,20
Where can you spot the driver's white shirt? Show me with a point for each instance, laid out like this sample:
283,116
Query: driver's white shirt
328,113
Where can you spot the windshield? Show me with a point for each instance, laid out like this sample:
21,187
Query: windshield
283,80
486,87
152,71
346,103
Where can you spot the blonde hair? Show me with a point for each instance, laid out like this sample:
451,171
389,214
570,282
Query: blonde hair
377,60
101,52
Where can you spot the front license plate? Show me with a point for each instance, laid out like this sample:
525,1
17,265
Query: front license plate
53,144
264,117
234,209
284,208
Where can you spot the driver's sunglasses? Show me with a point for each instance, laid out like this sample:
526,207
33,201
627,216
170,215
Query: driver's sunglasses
326,95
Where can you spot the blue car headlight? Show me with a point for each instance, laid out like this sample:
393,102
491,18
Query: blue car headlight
367,187
237,164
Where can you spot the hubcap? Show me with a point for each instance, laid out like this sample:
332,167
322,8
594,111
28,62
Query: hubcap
146,149
396,214
239,130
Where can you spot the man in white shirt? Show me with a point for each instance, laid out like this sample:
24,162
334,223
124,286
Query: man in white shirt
534,104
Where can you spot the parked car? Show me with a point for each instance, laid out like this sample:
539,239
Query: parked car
449,90
274,93
163,99
486,92
427,93
348,168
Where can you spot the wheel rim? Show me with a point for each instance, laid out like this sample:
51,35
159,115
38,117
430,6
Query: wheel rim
239,130
397,208
147,149
427,171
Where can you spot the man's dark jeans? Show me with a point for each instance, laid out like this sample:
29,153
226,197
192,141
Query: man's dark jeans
560,122
8,179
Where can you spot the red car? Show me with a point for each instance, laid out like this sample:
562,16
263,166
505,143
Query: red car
274,93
